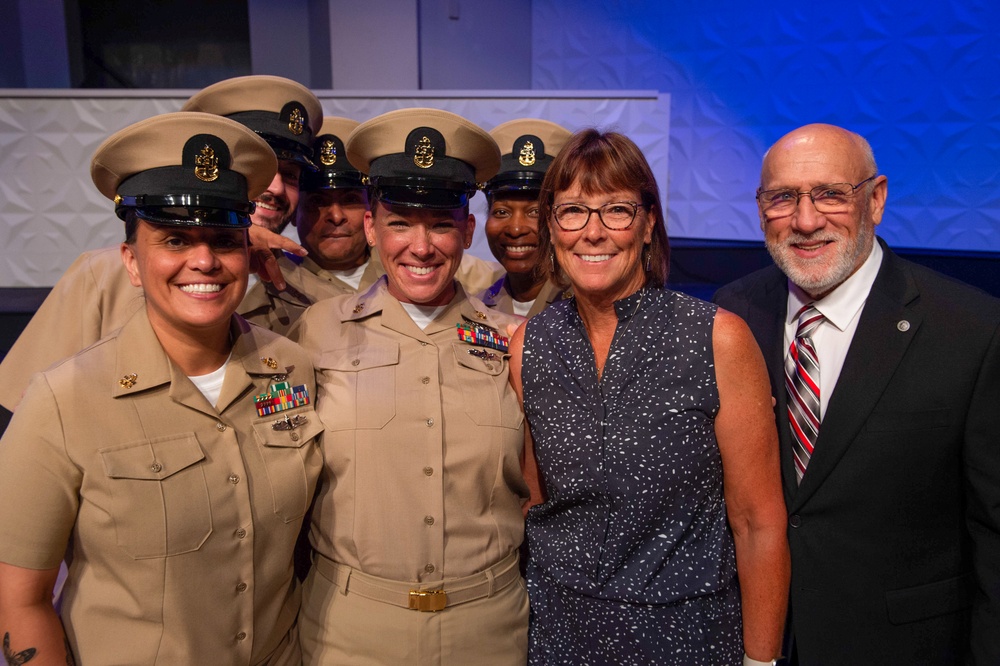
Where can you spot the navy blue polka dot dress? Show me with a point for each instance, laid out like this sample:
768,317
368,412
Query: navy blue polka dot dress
631,557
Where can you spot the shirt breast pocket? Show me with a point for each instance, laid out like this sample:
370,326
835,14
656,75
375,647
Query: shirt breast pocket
292,460
489,398
360,386
159,495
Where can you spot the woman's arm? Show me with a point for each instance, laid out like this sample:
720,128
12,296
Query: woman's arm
748,442
29,626
529,465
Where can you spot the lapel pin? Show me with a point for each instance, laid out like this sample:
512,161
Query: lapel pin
128,381
269,362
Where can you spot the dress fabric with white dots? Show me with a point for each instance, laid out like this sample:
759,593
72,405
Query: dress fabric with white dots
631,556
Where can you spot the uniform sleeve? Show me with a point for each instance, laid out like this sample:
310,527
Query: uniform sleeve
982,468
71,318
39,484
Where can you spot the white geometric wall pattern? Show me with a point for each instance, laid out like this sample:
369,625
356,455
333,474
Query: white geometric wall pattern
50,210
921,81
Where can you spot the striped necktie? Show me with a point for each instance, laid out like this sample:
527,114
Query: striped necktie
802,384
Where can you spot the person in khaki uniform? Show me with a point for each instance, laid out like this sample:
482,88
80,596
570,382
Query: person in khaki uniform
528,146
171,463
330,223
94,297
418,519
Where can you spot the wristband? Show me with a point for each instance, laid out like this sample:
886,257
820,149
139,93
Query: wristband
747,661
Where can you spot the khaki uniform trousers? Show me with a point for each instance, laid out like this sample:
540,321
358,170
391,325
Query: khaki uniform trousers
359,630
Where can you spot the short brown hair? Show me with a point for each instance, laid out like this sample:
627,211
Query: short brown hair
603,162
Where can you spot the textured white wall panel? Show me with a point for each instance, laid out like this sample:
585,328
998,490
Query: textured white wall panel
50,210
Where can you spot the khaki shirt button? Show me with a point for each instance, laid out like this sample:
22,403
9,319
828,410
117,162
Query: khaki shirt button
294,436
430,423
429,568
242,587
425,380
356,362
234,479
241,636
429,520
241,533
220,426
155,467
428,471
423,344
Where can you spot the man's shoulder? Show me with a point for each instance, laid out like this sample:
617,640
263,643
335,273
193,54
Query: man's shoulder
748,287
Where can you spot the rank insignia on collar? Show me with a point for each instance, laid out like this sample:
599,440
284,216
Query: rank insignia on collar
269,362
128,381
482,336
279,397
358,308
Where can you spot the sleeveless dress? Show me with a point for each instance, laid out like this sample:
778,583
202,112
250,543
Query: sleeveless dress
631,559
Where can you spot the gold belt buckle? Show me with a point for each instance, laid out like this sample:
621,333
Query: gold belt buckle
428,600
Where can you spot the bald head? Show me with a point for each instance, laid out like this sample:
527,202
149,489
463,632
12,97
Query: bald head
822,144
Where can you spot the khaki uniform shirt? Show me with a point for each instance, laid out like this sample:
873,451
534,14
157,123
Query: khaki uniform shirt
423,442
499,297
307,284
93,298
177,519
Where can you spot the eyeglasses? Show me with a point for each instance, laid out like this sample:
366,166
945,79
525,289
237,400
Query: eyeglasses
831,198
616,215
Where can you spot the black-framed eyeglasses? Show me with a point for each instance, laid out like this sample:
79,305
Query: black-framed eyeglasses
616,215
829,198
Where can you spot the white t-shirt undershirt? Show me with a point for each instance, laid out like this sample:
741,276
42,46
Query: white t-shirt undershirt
422,315
210,385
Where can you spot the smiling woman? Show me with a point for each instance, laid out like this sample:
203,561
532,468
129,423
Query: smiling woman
652,455
156,455
420,509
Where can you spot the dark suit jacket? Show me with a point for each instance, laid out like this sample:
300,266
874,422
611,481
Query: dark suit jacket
895,529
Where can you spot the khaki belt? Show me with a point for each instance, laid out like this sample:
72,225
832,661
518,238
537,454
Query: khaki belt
433,596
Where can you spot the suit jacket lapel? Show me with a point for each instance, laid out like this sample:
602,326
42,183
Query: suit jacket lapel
877,348
766,318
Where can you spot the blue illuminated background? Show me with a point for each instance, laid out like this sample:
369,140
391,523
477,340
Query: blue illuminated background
921,81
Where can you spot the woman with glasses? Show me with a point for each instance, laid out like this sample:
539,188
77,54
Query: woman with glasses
655,462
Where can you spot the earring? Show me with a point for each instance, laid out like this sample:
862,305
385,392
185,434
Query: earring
649,256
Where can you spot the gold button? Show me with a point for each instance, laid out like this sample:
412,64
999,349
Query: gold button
294,436
356,362
429,568
242,587
234,479
220,426
428,471
429,520
425,380
423,344
430,423
155,467
241,636
241,533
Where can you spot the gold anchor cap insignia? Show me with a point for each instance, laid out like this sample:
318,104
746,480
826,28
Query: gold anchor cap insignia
128,381
296,122
206,165
527,155
328,153
269,362
423,156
